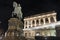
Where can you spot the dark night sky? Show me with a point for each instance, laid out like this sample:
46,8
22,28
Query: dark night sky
29,7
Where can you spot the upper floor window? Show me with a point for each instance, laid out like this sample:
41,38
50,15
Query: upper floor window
46,19
52,19
29,34
37,22
33,23
41,21
25,27
25,34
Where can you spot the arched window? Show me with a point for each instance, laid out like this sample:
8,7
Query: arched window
37,22
41,21
46,19
52,19
25,27
29,26
45,34
29,34
25,34
33,23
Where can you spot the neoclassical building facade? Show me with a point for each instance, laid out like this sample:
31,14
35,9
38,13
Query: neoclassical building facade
40,25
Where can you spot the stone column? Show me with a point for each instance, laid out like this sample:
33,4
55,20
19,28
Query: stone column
39,21
44,20
54,18
27,24
49,19
31,23
35,23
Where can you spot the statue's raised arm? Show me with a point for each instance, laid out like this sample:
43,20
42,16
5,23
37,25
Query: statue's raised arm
17,10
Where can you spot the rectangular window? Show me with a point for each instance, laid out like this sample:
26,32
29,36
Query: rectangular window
25,34
29,34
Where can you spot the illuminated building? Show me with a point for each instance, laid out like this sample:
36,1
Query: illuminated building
40,25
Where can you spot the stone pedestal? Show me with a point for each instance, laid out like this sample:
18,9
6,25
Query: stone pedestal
14,31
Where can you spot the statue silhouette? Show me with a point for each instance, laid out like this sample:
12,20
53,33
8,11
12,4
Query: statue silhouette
6,8
17,10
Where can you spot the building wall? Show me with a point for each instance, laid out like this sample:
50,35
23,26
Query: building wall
57,30
29,34
44,32
38,21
